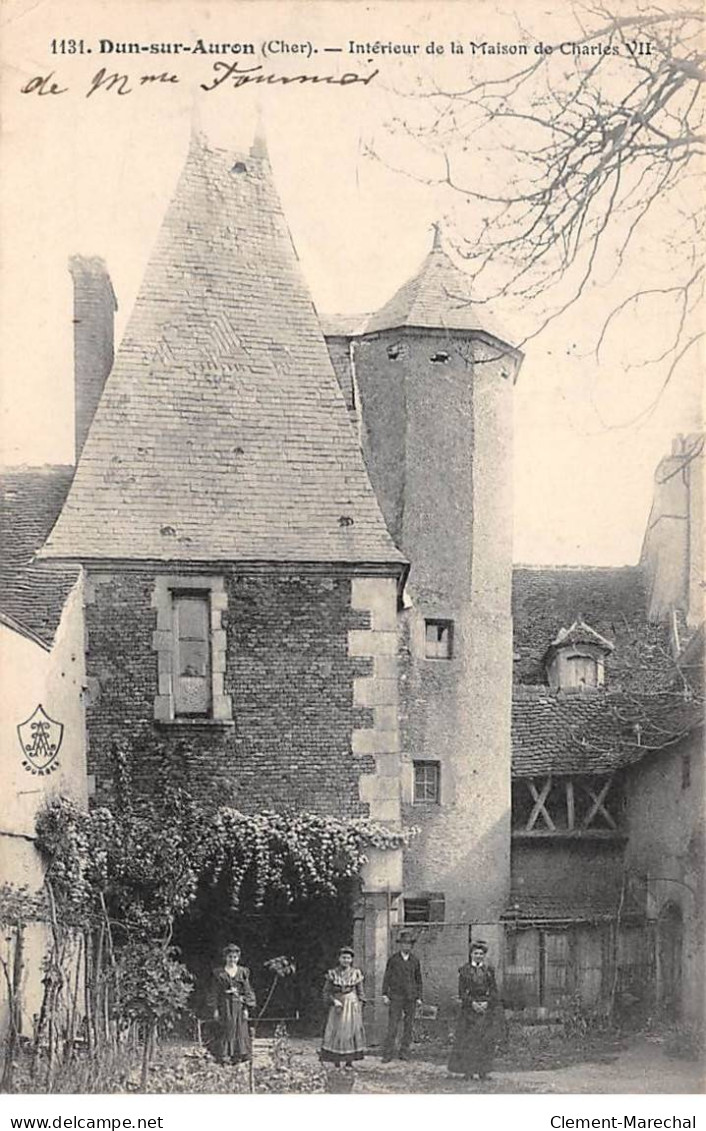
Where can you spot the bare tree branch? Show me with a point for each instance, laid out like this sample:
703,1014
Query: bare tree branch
573,165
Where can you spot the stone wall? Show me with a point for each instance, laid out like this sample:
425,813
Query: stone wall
436,427
665,853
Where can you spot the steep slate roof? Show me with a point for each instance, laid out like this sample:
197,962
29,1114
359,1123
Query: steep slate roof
222,433
30,501
438,297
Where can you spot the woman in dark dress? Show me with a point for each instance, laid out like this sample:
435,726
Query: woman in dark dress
474,1046
232,999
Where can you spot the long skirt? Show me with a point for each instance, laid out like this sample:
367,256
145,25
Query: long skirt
233,1038
474,1045
344,1035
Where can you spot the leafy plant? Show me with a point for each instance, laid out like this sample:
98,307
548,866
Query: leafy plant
123,875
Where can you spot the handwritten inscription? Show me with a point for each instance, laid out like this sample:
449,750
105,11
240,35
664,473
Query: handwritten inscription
232,74
43,84
240,76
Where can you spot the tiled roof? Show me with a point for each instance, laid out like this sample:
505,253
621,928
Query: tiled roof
438,297
595,732
611,600
31,499
222,433
566,733
540,907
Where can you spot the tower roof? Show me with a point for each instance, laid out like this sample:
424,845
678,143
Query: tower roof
437,297
222,433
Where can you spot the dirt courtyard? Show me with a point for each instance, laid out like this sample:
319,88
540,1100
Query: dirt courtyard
640,1067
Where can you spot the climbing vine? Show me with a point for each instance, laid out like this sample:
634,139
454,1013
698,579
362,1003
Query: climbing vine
142,863
120,875
147,865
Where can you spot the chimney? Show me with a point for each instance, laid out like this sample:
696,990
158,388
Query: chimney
94,313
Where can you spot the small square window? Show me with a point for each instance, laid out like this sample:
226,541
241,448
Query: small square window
424,909
438,639
417,911
427,782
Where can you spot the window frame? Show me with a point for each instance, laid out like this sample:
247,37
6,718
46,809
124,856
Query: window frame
445,624
432,901
424,764
203,596
167,589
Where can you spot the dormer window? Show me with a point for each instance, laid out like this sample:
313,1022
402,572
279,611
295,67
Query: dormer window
575,660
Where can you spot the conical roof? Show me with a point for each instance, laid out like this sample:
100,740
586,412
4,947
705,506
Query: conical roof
439,296
222,433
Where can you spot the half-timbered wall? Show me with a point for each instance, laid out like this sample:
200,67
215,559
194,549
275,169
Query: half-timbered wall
568,804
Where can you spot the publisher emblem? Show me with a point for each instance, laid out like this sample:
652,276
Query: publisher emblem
40,738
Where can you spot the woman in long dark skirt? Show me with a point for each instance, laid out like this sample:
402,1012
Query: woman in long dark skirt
232,999
474,1046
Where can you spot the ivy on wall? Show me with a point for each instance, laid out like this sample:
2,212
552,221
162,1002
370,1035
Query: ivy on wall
143,862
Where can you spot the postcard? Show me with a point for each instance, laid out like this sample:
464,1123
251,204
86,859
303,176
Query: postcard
352,554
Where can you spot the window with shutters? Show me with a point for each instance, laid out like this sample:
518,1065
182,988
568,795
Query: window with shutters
192,653
427,908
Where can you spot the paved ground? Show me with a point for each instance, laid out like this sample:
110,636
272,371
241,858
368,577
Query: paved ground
642,1067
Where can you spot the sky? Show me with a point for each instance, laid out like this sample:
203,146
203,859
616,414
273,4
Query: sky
93,175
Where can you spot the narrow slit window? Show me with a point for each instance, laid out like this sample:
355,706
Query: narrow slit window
192,636
438,639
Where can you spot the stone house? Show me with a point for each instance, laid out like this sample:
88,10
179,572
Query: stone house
287,549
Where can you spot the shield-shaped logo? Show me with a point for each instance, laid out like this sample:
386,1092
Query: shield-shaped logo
40,739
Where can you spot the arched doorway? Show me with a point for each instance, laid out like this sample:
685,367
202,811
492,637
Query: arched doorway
670,933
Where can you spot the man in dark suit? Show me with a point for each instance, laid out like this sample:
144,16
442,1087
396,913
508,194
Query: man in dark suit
402,991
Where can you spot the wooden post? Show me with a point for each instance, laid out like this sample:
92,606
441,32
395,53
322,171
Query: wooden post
570,811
